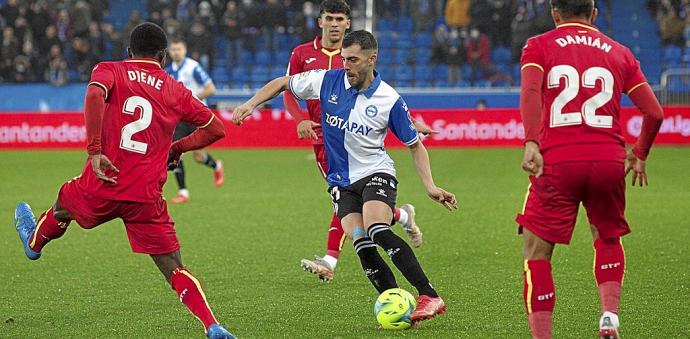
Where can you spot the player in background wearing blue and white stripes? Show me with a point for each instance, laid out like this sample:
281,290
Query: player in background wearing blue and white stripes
195,78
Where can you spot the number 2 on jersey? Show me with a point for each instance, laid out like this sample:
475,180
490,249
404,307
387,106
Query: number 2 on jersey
572,88
144,121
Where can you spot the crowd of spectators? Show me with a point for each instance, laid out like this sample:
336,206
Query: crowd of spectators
58,41
673,17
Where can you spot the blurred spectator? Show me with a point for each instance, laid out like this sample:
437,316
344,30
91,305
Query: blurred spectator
184,11
113,43
481,105
252,24
497,24
305,24
439,45
232,27
80,18
205,15
83,58
45,41
22,69
10,12
62,24
542,16
423,14
457,54
40,18
521,27
57,73
99,9
275,21
457,13
21,29
199,44
95,39
671,25
478,51
134,20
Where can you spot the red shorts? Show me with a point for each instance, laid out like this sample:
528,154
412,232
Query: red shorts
321,161
553,200
150,228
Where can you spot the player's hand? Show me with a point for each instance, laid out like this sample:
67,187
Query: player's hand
305,130
173,160
100,164
532,161
443,197
242,112
424,128
638,168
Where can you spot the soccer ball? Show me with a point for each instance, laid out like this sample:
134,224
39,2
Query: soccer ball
393,308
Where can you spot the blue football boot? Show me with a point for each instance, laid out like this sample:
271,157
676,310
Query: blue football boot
25,222
218,332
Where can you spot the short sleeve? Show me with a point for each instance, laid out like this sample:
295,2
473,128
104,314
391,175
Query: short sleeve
103,77
295,65
400,123
307,85
532,55
191,108
200,75
635,78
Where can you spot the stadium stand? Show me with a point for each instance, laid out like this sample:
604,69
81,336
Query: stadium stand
59,41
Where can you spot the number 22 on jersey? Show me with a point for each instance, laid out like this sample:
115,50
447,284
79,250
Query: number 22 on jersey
144,121
570,92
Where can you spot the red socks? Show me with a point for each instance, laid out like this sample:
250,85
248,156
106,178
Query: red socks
539,296
336,237
47,229
609,267
191,294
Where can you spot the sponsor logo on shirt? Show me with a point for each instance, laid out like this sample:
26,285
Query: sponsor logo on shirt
333,99
310,60
347,125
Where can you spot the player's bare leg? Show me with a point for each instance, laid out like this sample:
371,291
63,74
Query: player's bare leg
33,233
324,268
189,289
377,216
202,157
539,292
609,268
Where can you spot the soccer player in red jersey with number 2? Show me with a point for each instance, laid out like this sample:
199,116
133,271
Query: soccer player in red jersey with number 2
131,110
324,53
572,81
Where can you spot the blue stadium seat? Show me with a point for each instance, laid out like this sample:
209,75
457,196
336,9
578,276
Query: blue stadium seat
422,73
405,25
404,42
482,83
422,56
239,73
422,84
441,82
462,84
386,43
384,25
501,55
423,39
440,72
404,74
263,58
401,56
672,53
220,75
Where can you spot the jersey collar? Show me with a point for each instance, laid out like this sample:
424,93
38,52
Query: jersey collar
178,67
369,91
578,24
144,61
319,46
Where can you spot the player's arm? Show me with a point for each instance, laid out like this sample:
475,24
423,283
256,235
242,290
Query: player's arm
209,90
530,110
305,127
203,136
423,167
400,123
102,81
305,86
643,97
201,77
267,92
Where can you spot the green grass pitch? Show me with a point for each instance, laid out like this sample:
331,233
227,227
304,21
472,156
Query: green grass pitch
245,240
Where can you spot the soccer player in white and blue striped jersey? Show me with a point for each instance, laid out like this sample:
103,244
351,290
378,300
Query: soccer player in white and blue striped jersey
194,77
358,109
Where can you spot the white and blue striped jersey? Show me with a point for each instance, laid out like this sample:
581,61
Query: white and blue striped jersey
191,74
355,123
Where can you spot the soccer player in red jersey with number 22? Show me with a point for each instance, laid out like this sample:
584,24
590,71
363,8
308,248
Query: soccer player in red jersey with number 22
572,81
324,53
131,110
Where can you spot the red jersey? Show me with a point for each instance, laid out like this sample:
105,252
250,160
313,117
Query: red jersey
143,104
310,56
584,75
